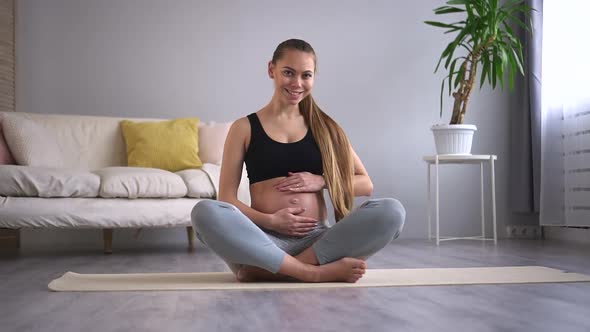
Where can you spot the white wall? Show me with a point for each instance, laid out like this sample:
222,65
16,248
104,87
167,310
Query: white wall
178,58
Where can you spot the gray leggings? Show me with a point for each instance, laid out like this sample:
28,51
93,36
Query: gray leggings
238,241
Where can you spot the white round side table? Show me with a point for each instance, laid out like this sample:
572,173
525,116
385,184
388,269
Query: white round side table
436,160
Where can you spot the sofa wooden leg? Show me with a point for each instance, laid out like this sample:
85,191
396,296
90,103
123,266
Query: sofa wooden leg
107,235
10,238
191,237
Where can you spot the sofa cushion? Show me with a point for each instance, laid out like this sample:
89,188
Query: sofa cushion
169,145
33,181
211,140
30,143
6,157
97,213
198,183
139,182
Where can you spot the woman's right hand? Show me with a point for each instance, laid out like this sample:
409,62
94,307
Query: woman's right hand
287,221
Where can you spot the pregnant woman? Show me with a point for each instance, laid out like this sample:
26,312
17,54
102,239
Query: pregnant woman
293,151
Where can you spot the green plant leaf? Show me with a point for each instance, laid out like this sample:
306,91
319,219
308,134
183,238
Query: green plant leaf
476,30
466,47
459,77
469,11
494,71
441,7
444,54
491,69
450,57
452,70
513,68
493,6
518,8
447,10
503,55
508,29
517,21
452,30
498,68
454,44
517,60
442,88
479,8
457,2
519,54
506,35
484,71
441,25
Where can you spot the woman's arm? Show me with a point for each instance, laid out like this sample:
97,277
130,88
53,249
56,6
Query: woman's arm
234,152
307,182
362,184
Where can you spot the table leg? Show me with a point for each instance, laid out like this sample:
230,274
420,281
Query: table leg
483,227
493,173
436,202
429,202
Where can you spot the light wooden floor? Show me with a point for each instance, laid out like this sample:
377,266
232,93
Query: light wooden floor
27,305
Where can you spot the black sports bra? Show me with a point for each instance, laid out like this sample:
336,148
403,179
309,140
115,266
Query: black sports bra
266,158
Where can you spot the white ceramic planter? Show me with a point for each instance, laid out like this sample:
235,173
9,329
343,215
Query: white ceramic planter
453,139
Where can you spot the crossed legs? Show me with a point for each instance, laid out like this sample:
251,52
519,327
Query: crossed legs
337,256
248,273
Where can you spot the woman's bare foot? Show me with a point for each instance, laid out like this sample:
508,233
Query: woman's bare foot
346,269
249,273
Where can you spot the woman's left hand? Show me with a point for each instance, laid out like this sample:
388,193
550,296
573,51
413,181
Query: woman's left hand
301,182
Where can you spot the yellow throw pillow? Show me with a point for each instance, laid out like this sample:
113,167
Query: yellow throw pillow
170,145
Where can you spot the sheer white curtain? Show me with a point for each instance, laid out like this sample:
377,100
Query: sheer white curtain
565,142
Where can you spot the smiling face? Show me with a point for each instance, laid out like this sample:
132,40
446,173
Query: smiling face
293,75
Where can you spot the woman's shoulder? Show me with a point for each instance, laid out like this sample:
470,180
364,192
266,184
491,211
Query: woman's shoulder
241,124
244,123
240,128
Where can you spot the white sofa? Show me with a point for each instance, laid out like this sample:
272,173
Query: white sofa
72,173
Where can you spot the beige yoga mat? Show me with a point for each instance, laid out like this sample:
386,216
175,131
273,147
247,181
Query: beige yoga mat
71,281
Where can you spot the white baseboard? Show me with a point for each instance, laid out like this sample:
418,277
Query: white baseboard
573,235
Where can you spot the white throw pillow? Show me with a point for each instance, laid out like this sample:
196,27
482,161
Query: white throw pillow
198,183
31,181
139,182
30,143
211,140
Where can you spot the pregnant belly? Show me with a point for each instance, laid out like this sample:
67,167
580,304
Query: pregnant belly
265,198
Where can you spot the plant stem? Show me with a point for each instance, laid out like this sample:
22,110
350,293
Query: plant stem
466,85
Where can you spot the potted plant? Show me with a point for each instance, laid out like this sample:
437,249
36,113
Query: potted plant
484,37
